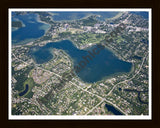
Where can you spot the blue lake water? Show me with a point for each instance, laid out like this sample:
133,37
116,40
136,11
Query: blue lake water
60,16
32,29
25,91
102,65
145,15
79,15
113,110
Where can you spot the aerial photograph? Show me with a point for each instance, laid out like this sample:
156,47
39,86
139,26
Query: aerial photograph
79,63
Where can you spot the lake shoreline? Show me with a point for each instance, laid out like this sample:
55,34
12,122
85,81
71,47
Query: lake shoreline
76,56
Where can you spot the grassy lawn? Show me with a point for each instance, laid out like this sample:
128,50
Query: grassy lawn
90,38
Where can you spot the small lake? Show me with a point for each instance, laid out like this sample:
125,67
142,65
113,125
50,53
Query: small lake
110,108
104,64
31,30
25,91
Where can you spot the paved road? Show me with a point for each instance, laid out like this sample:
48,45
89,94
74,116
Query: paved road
130,78
102,99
